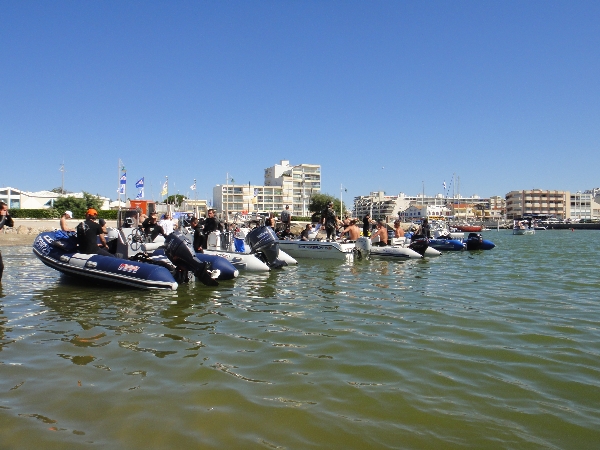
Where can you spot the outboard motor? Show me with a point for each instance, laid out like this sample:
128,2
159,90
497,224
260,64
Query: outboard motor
363,246
474,241
180,251
419,244
263,242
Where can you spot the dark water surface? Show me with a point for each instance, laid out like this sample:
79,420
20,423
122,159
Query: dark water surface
496,349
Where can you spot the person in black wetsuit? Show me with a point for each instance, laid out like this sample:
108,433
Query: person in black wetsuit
210,224
5,220
198,238
151,228
367,225
425,228
329,219
87,233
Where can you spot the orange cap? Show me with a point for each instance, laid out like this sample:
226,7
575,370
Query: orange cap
92,212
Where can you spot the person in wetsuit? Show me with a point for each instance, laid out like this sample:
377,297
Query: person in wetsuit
151,228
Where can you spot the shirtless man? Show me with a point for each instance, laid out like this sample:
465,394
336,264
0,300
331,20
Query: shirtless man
352,230
398,230
381,233
63,221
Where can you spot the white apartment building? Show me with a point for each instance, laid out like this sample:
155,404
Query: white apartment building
384,206
284,184
585,205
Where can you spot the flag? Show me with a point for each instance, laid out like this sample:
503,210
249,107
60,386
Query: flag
165,188
193,186
123,182
140,183
140,194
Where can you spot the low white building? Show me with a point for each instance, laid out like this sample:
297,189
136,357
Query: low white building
18,199
418,212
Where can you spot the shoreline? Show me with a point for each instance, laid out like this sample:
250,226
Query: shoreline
25,230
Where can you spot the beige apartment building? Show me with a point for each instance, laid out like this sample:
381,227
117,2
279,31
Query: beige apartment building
538,202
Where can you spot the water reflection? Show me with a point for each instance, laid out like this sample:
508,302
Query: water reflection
350,347
3,328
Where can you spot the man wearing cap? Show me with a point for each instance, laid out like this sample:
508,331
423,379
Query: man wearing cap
87,233
63,221
286,218
151,228
329,219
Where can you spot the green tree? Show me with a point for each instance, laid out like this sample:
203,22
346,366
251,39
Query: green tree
78,206
319,202
176,200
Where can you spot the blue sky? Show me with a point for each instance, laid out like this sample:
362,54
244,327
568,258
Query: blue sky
384,95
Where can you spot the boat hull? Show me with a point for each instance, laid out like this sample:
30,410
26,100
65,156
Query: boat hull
317,249
397,252
447,245
523,232
241,261
113,271
228,270
468,228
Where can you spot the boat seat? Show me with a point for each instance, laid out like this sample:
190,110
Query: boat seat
122,250
149,247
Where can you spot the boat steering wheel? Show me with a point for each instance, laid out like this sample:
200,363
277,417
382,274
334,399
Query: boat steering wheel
135,239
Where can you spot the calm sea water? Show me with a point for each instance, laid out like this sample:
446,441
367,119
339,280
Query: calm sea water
496,349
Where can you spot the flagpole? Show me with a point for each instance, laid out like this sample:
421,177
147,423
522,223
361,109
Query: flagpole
119,182
341,204
226,199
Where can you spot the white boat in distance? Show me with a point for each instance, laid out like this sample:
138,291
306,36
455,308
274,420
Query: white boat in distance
522,227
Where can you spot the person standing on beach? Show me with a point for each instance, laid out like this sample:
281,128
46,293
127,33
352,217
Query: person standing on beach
5,219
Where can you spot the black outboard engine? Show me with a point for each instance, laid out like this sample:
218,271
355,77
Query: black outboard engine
419,244
263,242
474,241
180,251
